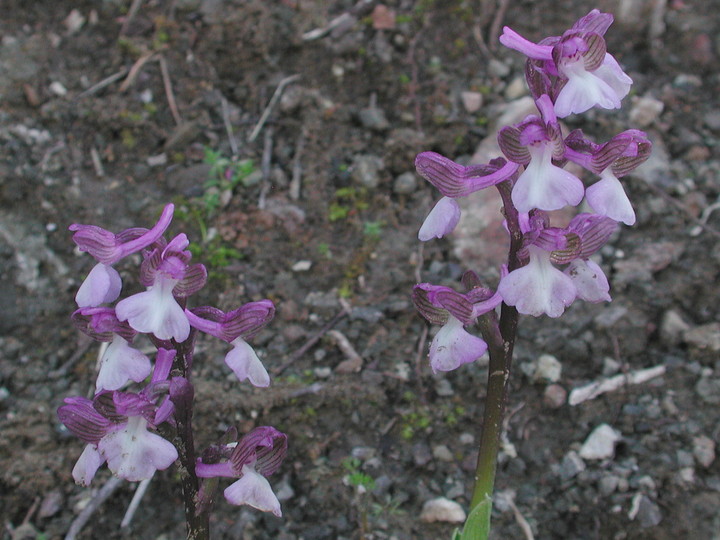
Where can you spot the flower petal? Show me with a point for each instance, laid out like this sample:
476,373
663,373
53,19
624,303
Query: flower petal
538,287
589,280
134,454
246,364
87,465
453,347
545,186
155,311
121,363
607,197
441,220
101,286
254,490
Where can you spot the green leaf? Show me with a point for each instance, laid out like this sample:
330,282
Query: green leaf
477,525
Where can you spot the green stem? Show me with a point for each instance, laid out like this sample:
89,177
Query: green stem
500,337
501,352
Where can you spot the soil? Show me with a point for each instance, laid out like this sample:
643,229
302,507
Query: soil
324,222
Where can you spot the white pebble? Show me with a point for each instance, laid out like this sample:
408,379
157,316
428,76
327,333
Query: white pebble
442,509
600,444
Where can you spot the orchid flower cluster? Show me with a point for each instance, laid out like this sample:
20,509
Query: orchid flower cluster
566,74
139,420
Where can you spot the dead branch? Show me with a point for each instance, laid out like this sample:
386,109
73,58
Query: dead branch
273,101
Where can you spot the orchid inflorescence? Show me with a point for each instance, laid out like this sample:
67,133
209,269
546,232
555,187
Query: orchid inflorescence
128,426
566,75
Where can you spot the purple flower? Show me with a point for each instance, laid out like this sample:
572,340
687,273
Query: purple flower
167,274
120,362
453,346
539,287
257,455
453,181
535,143
236,327
612,160
115,427
441,220
103,283
586,75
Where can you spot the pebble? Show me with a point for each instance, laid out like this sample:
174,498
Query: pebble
442,509
443,453
421,454
302,266
646,512
516,89
405,184
374,119
498,68
548,368
472,101
705,337
708,388
600,444
608,484
444,388
572,465
365,170
673,327
554,396
645,111
704,450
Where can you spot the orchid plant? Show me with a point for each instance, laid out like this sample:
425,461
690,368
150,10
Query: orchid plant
548,267
139,420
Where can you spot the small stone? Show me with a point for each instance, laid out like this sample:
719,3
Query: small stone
647,512
302,266
554,396
373,118
600,444
498,68
704,450
572,465
443,453
74,21
672,327
58,89
157,160
645,111
322,372
363,453
444,388
608,484
472,101
51,504
708,388
421,454
365,170
548,368
405,184
442,509
467,438
705,337
516,89
610,366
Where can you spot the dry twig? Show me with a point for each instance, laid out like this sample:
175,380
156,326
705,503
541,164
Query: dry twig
107,81
310,342
169,91
273,101
108,489
135,71
594,389
296,180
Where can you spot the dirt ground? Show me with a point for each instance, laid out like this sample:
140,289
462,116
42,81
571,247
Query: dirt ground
106,115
